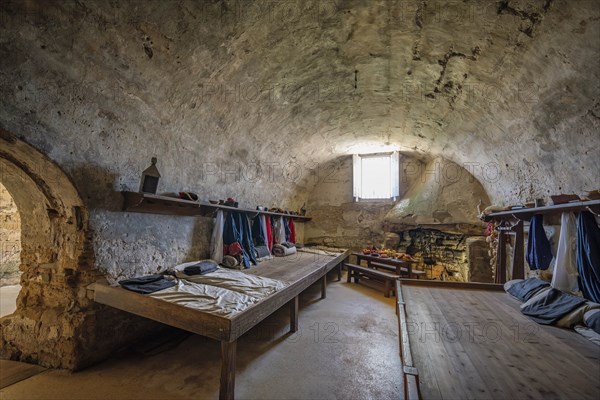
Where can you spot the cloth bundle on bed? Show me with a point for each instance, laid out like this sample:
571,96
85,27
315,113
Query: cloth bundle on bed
524,289
148,284
252,285
284,249
224,292
550,306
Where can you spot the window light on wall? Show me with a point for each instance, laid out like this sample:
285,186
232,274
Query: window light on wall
376,176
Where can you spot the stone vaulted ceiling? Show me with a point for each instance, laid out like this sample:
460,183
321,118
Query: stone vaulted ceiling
508,88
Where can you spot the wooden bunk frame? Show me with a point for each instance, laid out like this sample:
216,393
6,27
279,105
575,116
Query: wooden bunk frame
539,362
299,274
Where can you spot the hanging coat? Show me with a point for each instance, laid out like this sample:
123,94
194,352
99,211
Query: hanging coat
565,269
276,230
539,254
245,239
248,241
288,232
263,221
588,256
292,231
258,235
230,232
269,232
280,231
216,240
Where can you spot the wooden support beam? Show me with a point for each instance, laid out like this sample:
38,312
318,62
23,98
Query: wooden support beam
501,258
294,314
339,267
324,286
518,270
228,350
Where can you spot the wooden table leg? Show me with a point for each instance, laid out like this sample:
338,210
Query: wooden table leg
324,286
228,349
349,277
294,314
339,272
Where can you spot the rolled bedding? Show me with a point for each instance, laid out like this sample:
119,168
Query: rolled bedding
283,250
201,268
262,253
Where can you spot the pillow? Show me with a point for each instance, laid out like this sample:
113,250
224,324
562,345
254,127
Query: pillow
577,316
231,262
592,319
524,290
181,267
588,334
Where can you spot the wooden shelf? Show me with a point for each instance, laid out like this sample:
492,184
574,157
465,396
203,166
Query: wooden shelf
526,213
155,204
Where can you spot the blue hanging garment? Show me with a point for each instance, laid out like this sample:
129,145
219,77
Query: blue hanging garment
230,230
288,231
539,253
259,236
245,239
588,256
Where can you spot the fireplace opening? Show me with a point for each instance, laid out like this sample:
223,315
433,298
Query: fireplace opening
447,256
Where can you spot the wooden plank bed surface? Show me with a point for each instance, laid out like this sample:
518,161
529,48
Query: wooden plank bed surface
476,344
298,271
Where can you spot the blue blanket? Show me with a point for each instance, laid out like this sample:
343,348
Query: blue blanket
588,256
524,290
539,252
551,307
147,284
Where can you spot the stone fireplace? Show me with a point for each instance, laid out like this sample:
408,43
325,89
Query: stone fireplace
437,223
441,254
444,255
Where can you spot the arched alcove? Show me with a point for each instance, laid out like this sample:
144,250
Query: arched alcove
56,261
10,252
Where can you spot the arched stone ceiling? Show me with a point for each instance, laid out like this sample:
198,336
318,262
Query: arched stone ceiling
509,89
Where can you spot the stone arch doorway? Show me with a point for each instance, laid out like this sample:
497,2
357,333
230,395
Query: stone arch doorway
10,252
56,260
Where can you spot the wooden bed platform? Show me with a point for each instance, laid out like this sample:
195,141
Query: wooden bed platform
466,341
299,271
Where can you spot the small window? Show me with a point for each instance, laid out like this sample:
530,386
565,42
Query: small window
376,176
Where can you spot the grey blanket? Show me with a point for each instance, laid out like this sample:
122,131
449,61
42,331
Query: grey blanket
553,305
525,290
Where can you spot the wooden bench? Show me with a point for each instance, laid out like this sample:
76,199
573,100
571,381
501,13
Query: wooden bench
357,271
403,270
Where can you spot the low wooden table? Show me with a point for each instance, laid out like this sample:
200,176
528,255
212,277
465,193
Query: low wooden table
393,262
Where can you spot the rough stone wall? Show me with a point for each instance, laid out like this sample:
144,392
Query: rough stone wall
340,221
247,98
434,193
55,323
10,239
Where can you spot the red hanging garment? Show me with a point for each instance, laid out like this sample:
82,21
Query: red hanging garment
292,230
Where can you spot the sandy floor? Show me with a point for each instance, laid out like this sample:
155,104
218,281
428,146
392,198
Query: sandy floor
346,348
8,299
